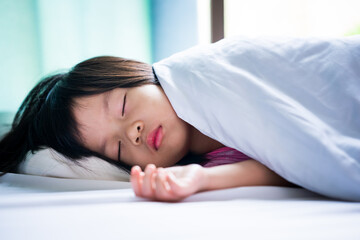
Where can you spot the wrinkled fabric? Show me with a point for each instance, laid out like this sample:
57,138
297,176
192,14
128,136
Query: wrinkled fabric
293,104
223,155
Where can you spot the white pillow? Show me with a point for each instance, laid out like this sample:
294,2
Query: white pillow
48,162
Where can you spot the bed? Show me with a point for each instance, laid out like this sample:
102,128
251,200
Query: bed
37,207
41,205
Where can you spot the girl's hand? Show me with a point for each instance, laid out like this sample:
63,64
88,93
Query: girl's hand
167,184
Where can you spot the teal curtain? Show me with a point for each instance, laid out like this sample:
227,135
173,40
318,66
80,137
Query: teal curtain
39,37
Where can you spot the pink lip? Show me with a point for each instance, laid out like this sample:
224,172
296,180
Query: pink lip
154,138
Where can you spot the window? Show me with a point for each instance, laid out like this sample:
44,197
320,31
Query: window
301,18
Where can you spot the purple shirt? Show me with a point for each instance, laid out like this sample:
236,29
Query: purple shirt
224,155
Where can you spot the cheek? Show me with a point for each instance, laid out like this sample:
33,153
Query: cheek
137,157
178,144
180,138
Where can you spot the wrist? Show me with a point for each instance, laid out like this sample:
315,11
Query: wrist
205,179
220,177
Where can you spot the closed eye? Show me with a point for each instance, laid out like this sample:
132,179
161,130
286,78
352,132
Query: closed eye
123,108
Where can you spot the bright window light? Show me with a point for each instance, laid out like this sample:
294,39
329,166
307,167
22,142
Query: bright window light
301,18
203,10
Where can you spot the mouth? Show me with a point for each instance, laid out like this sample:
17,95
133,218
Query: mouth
154,138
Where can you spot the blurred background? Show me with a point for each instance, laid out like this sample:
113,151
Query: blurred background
40,37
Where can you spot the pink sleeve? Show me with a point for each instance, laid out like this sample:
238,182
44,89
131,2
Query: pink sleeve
224,155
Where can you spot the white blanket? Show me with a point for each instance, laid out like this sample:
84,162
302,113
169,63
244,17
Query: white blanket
292,104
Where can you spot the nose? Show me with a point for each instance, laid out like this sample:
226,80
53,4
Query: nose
134,132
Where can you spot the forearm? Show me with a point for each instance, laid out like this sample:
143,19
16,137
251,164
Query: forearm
246,173
175,183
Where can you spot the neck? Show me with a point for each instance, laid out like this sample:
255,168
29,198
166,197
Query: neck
202,144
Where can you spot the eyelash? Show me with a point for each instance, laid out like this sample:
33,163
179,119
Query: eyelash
123,109
122,114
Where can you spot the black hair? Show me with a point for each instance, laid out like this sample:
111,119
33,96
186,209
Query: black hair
45,117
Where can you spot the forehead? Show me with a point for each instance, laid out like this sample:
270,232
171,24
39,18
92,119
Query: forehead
84,107
89,113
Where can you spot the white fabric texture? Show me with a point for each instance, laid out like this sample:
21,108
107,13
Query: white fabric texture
292,104
48,162
33,207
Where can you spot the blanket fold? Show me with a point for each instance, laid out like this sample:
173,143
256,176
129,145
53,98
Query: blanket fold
291,103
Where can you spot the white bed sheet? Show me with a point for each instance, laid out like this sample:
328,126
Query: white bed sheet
34,207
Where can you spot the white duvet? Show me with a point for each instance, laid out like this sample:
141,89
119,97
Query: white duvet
292,104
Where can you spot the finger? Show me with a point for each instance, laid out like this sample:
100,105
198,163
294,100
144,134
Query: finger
136,180
147,189
162,190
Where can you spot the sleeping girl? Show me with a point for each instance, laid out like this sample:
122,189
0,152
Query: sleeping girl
141,118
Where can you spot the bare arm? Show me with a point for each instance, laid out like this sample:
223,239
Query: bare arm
175,183
246,173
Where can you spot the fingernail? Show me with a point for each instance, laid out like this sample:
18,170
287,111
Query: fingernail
134,168
149,167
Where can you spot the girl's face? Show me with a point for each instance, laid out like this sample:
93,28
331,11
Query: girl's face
137,125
